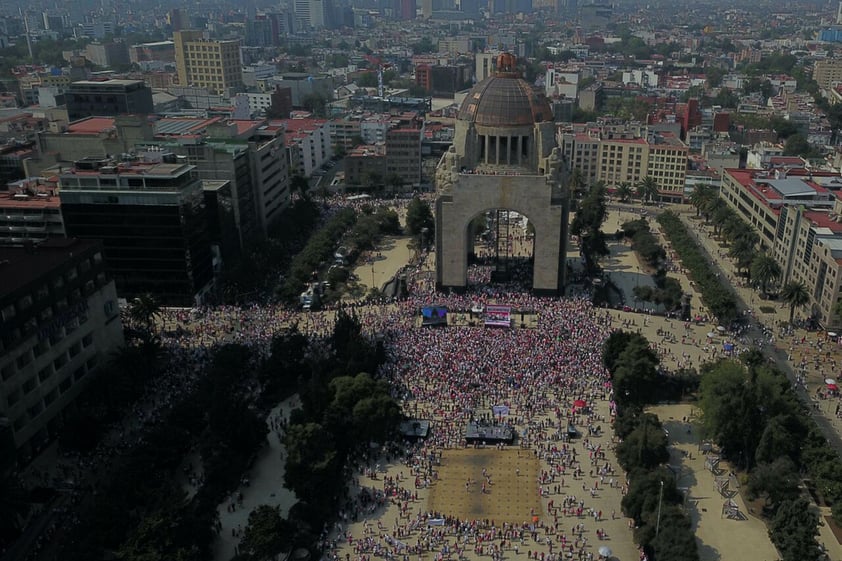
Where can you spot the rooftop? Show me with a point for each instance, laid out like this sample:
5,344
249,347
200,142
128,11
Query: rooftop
21,266
91,125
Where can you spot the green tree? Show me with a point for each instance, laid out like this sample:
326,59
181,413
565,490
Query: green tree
418,217
765,271
793,530
587,225
742,252
143,311
796,295
624,191
645,447
701,196
267,534
647,189
797,145
776,481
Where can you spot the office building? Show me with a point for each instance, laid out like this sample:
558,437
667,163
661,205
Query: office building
60,323
797,216
618,155
151,218
30,212
88,98
213,65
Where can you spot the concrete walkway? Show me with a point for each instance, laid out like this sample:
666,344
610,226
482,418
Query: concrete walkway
262,485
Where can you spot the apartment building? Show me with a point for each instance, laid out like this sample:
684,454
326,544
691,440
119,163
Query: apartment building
308,144
214,65
60,324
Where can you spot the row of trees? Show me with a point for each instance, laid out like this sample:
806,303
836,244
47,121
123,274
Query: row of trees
719,298
751,412
667,290
761,268
662,527
319,249
255,272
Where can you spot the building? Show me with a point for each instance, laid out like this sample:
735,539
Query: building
61,322
303,85
828,72
213,65
151,218
163,51
107,55
88,98
30,212
627,155
314,14
395,161
308,142
504,160
443,80
798,220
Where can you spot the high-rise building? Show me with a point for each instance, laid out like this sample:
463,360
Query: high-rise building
152,220
88,98
176,19
60,323
213,65
314,14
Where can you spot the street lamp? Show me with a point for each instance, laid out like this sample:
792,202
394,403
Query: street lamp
660,498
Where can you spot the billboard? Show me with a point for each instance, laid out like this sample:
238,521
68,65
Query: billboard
498,315
433,315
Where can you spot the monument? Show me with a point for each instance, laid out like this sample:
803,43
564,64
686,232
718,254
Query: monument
504,157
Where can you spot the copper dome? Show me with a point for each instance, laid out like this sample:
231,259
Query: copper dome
505,100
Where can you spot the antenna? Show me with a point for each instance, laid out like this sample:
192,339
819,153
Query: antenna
28,38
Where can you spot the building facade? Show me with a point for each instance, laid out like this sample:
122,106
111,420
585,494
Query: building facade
151,218
60,324
213,65
89,98
30,212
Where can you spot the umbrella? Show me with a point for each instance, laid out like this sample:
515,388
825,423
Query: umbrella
711,334
721,329
829,381
579,403
605,551
832,387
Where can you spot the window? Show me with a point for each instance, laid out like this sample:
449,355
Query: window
29,385
45,373
24,359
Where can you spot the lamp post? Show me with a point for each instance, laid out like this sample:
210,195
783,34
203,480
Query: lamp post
660,498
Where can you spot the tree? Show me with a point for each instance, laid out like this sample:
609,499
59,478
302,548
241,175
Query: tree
418,217
624,191
645,447
701,196
796,295
742,252
797,145
793,530
299,184
765,271
776,481
14,506
587,225
647,189
267,533
143,311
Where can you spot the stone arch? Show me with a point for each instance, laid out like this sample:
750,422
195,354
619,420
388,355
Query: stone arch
540,201
469,241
